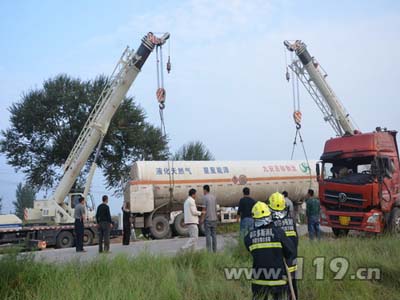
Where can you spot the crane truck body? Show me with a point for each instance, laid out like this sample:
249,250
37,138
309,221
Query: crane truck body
52,219
358,175
157,189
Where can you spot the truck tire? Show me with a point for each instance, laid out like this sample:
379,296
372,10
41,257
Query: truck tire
179,225
65,239
340,232
394,223
87,237
160,228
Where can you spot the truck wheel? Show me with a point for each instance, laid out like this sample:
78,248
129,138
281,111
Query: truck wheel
340,232
394,223
179,225
87,237
160,228
65,239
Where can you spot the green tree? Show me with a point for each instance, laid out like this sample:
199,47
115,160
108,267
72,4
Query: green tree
46,122
193,151
1,204
24,195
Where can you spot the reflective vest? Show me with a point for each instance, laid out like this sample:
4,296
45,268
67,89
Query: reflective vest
270,248
288,226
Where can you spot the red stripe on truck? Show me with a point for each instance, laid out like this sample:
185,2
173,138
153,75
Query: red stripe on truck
217,180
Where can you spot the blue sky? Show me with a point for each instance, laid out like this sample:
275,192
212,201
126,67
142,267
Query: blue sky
227,85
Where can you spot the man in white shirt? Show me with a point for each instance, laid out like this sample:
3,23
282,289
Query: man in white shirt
191,215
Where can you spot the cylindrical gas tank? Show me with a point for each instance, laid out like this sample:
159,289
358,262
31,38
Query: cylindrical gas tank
152,181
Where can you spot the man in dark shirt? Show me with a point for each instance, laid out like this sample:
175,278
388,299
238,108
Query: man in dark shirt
104,224
126,222
80,215
244,212
313,210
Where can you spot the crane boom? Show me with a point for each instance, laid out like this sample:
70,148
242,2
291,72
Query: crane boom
307,70
99,119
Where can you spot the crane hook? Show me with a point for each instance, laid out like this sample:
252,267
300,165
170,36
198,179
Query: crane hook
161,97
297,118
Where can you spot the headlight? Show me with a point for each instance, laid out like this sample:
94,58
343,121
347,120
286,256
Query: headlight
374,218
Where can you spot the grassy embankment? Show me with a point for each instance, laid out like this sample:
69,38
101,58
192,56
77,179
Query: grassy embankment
200,275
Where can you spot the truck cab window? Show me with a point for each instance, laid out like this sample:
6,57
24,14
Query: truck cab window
328,171
364,169
348,170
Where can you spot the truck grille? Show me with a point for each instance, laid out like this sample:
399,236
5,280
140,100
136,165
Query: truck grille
344,199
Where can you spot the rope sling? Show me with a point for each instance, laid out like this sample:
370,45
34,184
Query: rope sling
297,115
161,96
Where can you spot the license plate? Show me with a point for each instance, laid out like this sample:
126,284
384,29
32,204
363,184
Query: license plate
344,220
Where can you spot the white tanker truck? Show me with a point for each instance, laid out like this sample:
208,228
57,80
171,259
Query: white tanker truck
157,189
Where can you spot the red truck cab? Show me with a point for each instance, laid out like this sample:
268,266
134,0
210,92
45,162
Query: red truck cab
359,183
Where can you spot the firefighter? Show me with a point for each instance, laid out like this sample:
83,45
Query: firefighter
282,219
271,250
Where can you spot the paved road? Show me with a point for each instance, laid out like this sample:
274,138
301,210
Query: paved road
164,247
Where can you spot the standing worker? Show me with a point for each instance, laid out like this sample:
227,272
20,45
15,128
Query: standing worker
313,210
271,251
210,216
80,215
104,223
126,222
191,219
282,219
244,212
288,204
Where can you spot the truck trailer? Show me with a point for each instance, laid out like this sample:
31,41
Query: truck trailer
157,189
